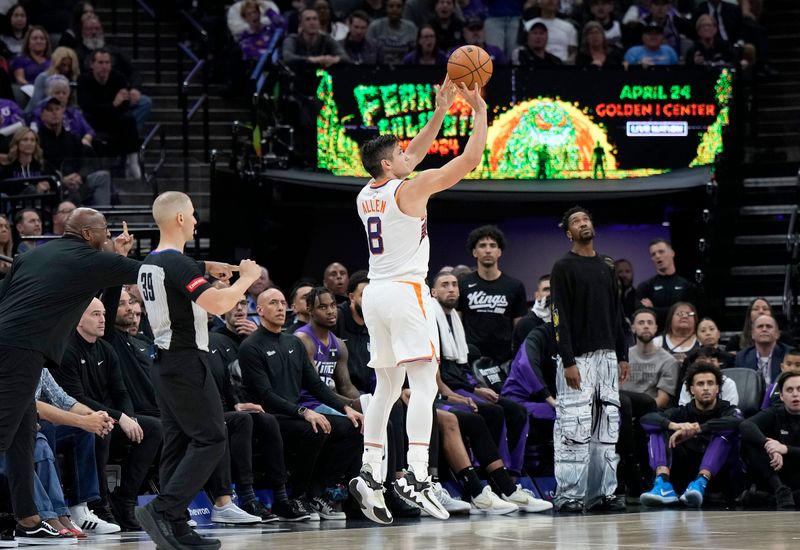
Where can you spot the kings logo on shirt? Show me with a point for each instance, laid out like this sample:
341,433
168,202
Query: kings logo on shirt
482,302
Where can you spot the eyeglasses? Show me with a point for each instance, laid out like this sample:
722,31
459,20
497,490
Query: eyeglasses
685,313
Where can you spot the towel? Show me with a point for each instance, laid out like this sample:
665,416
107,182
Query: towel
454,341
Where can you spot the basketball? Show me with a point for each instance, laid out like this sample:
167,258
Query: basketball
470,65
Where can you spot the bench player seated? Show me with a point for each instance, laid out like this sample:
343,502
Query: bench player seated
691,444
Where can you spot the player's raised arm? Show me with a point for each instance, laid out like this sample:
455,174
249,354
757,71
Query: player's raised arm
419,146
415,193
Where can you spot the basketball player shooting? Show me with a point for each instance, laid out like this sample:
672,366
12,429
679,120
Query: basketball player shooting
397,304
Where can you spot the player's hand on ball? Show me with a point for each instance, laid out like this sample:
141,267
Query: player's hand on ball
473,97
446,94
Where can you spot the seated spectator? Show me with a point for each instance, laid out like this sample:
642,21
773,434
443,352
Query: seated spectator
275,368
92,40
537,316
791,362
507,419
710,50
350,326
728,16
25,159
47,492
708,335
113,106
623,269
16,28
299,305
531,377
34,58
65,153
653,371
534,53
603,12
11,120
680,335
63,211
767,353
58,88
666,287
260,285
676,28
771,446
427,51
653,51
28,224
562,39
595,53
356,45
335,29
394,35
63,62
335,278
237,326
707,355
6,244
253,41
475,35
238,23
72,36
758,307
70,428
90,372
448,27
698,439
310,47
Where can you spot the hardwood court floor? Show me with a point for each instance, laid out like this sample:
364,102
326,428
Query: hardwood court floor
662,530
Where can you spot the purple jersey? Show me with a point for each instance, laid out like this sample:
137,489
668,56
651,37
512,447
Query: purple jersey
325,359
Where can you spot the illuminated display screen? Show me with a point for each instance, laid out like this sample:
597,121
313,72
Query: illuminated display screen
543,124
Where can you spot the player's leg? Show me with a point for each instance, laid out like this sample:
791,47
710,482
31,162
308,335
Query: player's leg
661,463
714,458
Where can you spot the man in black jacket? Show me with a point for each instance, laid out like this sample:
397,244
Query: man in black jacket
666,287
54,282
275,367
771,444
90,372
703,434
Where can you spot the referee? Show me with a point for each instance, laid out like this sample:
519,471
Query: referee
41,301
178,298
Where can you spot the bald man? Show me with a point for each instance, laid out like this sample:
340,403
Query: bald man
41,301
178,300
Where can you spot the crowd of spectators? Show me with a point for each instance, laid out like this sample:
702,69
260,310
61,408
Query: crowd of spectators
71,107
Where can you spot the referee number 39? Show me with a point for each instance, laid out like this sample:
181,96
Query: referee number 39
146,282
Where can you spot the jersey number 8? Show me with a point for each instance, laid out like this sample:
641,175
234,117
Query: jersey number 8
374,234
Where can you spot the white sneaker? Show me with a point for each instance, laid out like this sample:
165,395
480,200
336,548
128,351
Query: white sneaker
369,495
489,503
452,505
526,501
230,513
420,493
88,522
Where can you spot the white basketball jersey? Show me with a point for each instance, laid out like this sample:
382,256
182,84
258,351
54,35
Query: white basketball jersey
398,243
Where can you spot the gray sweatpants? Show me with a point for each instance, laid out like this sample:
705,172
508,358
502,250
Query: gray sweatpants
586,430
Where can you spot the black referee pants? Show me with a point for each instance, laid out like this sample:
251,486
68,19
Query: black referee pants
20,370
194,428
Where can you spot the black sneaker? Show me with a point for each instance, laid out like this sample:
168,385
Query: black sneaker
122,510
611,503
290,511
158,527
305,505
399,507
255,508
784,499
191,539
420,493
7,539
569,507
43,533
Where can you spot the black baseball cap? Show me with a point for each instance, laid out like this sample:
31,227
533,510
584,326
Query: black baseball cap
653,27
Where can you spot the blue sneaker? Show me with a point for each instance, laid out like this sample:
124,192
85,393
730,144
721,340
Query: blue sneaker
661,494
693,496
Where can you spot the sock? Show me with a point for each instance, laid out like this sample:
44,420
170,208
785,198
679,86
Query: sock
245,493
418,461
664,478
373,457
279,494
502,480
470,480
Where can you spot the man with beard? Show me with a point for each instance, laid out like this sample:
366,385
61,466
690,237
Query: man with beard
653,370
351,329
623,269
490,302
666,287
703,436
335,279
593,356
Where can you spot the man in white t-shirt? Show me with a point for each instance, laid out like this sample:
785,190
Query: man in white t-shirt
562,39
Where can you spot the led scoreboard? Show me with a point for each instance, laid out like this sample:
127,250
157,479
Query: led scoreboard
543,124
